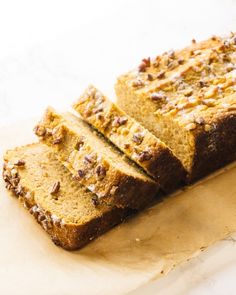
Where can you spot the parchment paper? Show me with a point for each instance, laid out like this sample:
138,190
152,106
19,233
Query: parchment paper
145,247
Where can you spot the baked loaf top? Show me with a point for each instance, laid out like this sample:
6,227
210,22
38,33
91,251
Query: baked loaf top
187,98
195,85
63,207
94,162
131,137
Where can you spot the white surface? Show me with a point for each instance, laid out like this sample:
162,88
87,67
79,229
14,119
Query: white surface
51,50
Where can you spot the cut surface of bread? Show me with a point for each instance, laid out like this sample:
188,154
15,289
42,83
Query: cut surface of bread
65,209
131,137
95,162
187,98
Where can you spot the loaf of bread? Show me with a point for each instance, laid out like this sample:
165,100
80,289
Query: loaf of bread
94,162
66,210
131,137
187,98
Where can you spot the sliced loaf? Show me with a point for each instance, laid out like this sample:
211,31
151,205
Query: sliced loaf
94,162
66,210
187,98
131,137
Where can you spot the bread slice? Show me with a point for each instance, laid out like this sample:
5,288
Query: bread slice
187,98
64,208
94,162
131,137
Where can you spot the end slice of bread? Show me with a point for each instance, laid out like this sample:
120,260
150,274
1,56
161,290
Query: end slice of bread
187,98
66,210
95,162
139,144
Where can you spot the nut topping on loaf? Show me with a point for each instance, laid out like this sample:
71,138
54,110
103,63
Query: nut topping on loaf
76,217
132,138
193,108
96,163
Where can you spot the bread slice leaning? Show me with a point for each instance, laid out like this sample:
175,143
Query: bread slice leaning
94,162
139,144
187,98
64,208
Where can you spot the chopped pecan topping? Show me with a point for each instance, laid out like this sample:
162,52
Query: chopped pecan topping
41,217
180,61
79,144
19,190
126,145
226,58
90,159
161,75
146,62
202,84
157,96
150,77
14,181
138,137
57,140
20,163
99,109
101,171
171,54
118,121
191,53
144,156
138,83
172,65
81,173
95,200
40,130
142,67
55,188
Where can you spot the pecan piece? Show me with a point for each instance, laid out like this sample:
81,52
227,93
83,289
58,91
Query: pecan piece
144,156
81,173
118,121
40,130
20,163
55,188
101,171
138,137
157,96
161,75
138,83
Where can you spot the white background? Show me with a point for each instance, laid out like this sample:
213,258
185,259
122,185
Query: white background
51,50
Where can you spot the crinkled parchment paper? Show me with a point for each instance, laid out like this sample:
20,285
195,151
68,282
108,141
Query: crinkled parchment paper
145,247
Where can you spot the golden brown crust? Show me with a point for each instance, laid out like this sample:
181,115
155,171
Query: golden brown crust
214,148
70,236
90,167
196,95
131,137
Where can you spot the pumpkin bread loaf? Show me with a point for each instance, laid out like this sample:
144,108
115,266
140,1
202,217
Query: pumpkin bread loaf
187,98
66,210
94,162
131,137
